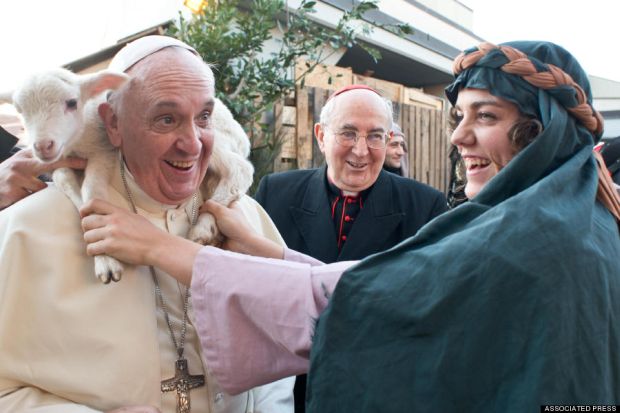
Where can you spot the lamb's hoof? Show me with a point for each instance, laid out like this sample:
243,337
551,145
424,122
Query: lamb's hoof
105,278
205,232
108,269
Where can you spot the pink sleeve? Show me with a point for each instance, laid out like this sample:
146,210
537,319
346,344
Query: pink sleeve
255,316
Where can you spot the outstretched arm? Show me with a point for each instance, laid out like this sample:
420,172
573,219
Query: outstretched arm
131,238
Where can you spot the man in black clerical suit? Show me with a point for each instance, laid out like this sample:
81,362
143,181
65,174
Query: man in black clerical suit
7,142
351,207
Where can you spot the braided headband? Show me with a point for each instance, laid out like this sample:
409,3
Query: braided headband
520,64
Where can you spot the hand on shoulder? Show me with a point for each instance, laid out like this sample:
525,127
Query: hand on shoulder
240,236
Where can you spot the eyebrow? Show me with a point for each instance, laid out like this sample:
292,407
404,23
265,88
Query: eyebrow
353,127
486,102
164,104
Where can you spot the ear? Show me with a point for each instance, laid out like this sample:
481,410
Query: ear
319,133
92,85
6,97
110,121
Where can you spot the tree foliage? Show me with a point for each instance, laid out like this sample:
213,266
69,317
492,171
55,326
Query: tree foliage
254,46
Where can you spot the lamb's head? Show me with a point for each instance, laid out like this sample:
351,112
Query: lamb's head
52,107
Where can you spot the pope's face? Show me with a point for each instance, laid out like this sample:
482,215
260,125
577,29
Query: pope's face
481,136
357,167
164,128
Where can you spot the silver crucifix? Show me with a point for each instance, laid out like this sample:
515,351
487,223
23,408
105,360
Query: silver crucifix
182,382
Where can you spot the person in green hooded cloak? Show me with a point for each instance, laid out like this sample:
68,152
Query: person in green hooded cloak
504,304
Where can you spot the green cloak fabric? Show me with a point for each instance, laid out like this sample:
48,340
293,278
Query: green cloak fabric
506,303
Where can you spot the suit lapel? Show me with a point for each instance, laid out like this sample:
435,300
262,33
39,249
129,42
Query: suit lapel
375,223
313,219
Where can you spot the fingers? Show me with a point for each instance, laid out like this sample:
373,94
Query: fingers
71,162
96,242
216,208
211,207
93,221
25,162
97,206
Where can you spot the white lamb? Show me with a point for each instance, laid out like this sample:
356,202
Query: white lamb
59,109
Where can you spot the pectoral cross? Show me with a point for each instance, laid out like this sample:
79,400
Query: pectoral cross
182,382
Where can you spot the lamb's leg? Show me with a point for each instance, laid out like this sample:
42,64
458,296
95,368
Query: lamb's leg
235,179
67,181
96,179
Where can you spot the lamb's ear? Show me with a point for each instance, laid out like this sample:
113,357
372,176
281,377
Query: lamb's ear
6,97
92,85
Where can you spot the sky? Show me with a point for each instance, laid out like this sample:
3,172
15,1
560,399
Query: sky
587,29
38,34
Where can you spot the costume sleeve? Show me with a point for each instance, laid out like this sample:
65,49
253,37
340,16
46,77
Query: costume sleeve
255,316
33,400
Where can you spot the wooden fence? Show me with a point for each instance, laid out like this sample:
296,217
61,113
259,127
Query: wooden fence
421,117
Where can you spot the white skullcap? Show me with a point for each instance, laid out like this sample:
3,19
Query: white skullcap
140,48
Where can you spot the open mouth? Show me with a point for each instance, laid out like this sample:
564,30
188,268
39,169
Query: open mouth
474,164
181,165
357,165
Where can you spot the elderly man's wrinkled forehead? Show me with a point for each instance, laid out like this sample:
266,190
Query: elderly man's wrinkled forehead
352,99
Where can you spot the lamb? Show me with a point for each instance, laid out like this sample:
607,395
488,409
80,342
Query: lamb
60,113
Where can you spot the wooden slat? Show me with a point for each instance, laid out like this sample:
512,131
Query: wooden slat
304,130
289,115
418,143
323,76
413,96
433,148
443,155
446,149
425,145
320,97
390,90
288,148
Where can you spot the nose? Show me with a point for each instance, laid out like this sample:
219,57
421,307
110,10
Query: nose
462,135
189,139
45,149
361,147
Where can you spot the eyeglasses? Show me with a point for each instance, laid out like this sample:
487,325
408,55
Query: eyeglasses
374,140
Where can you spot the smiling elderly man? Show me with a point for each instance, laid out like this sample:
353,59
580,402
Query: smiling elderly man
350,208
70,344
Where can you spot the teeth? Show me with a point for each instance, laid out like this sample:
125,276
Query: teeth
356,165
474,162
181,164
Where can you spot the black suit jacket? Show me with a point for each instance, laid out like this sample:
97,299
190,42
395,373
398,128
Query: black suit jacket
298,203
7,142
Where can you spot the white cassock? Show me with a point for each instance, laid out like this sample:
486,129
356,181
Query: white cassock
71,344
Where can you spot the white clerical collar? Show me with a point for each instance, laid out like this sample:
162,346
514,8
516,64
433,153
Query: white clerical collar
141,198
